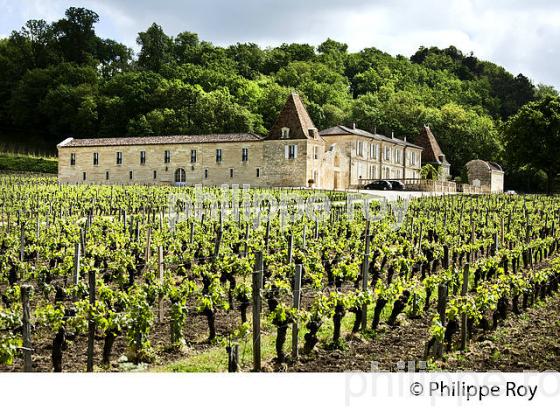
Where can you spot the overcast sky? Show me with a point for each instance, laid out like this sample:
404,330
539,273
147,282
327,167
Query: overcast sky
521,35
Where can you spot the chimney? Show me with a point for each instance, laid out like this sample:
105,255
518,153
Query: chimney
404,139
375,130
353,125
392,134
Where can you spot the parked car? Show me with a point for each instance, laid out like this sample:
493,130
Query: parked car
510,192
380,185
397,185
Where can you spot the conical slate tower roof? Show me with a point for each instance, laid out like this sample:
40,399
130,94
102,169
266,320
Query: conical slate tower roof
295,117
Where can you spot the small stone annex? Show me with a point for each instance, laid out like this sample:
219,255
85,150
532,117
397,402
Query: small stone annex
489,176
293,154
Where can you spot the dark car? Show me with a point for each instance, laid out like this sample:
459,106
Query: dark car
397,186
380,185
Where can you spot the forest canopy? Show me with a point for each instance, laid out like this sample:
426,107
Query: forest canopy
61,79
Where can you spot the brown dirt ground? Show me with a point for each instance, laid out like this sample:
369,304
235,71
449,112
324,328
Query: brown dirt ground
530,341
75,356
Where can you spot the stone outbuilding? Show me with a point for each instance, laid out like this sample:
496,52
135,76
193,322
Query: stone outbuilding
488,175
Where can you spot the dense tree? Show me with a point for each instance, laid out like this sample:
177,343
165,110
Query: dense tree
511,92
249,59
533,137
59,79
61,98
156,48
76,35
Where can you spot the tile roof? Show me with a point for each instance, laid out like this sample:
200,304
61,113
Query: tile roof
168,139
343,130
295,117
492,166
427,140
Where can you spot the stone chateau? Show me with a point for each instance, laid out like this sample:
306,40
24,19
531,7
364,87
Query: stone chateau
293,154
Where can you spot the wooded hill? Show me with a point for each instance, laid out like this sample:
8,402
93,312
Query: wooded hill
60,79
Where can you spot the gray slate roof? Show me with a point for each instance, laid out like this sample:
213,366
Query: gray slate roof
169,139
343,130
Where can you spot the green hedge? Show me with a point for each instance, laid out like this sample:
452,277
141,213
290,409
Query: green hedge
23,163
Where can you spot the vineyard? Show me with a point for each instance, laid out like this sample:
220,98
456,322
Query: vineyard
108,278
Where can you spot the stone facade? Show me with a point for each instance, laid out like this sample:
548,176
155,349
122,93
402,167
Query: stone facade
368,156
489,174
293,154
200,167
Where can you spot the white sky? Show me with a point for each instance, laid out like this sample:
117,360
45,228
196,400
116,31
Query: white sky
521,35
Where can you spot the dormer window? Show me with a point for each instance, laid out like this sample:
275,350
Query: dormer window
312,133
285,132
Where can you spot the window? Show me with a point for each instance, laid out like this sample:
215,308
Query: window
155,174
142,157
258,172
387,154
72,159
193,156
398,157
119,158
315,177
315,152
359,169
206,173
167,157
412,158
373,151
244,154
180,175
129,174
95,158
291,151
219,155
106,175
285,132
231,172
84,176
360,149
311,132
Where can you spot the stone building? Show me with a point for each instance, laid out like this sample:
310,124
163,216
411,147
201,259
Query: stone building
488,175
293,154
432,153
361,155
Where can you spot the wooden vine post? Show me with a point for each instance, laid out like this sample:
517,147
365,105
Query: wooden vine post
160,274
22,242
247,237
257,285
365,276
441,306
233,358
218,242
296,305
76,272
290,247
26,328
91,322
464,291
148,246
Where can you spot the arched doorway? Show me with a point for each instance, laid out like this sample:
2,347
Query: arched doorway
180,176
